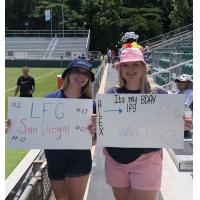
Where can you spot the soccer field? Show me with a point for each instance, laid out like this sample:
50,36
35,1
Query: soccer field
45,82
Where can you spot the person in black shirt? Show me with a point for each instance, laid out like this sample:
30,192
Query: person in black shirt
25,84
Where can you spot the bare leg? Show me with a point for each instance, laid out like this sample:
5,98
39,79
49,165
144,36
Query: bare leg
121,193
76,187
142,195
60,190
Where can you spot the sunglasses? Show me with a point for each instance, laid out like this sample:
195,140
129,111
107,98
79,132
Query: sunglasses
78,71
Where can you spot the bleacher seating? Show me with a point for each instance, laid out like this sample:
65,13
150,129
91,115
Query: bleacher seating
164,62
171,52
187,69
63,45
187,56
160,80
44,47
29,47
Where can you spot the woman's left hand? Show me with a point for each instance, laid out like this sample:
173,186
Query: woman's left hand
92,128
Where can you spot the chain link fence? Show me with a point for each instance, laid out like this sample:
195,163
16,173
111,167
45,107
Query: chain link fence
46,192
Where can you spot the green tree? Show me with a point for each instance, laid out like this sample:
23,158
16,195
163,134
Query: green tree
146,22
17,13
181,14
107,19
102,17
70,15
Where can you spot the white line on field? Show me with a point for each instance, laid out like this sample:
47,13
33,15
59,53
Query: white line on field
46,74
10,89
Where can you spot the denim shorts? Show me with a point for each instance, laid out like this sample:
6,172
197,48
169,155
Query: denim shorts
68,163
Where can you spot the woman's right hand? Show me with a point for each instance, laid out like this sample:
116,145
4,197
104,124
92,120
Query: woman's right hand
92,128
7,124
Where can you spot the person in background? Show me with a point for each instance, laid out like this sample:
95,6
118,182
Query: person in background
147,53
83,56
185,86
68,170
129,40
133,173
109,55
112,58
25,84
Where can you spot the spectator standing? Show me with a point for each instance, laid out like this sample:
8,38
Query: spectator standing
113,57
129,40
68,170
147,52
109,55
133,173
185,86
25,84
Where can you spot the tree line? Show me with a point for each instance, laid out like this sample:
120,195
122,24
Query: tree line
107,19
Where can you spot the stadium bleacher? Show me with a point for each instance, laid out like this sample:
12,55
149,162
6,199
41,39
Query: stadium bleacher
26,47
167,53
45,47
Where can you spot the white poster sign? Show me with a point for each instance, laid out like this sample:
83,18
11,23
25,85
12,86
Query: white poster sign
140,120
47,14
50,123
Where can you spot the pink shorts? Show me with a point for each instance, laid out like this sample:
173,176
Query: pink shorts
143,174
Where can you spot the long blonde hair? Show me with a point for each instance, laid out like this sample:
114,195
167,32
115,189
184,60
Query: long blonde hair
144,85
86,90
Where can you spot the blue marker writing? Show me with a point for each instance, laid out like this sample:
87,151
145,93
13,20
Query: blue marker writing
117,110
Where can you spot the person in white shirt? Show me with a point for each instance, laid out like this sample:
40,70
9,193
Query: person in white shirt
185,86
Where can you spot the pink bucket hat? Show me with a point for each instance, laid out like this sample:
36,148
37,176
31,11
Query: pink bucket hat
131,55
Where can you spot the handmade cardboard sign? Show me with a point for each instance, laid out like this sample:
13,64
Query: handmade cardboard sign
50,123
140,120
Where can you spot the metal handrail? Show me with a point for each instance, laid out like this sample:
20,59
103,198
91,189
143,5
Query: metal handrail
88,40
15,178
162,43
46,33
23,184
87,43
98,77
167,76
169,34
32,183
170,68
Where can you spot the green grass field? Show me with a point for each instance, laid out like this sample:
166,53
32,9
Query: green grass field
45,83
